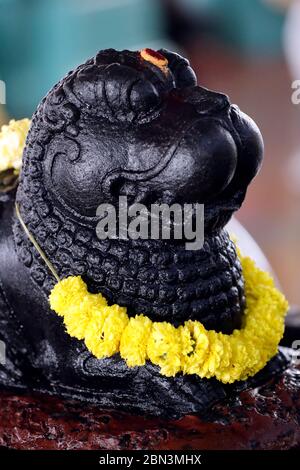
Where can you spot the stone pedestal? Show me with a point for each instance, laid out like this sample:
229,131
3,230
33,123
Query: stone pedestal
263,418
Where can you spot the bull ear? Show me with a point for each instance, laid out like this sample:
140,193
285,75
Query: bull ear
180,67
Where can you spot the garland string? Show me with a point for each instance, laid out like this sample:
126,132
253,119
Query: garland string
35,244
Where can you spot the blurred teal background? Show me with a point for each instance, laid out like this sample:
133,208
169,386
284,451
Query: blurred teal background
249,25
42,39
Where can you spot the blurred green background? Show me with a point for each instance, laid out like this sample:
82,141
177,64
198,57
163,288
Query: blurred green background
41,40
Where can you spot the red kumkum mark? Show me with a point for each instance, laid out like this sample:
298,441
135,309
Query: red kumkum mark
155,57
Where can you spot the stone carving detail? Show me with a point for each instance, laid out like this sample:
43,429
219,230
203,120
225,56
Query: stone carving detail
103,131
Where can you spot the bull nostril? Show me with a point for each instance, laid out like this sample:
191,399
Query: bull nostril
210,102
206,101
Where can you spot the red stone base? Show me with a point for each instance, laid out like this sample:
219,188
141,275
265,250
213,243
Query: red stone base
265,418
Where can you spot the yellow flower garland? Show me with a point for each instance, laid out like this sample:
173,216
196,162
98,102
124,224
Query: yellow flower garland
12,142
190,348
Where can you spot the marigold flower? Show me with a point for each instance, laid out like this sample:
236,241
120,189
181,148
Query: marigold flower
105,330
133,345
12,142
164,348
